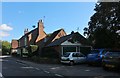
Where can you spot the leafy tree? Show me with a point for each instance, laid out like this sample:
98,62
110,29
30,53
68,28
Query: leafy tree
6,47
49,34
104,24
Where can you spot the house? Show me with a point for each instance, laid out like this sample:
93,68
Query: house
54,36
14,46
73,42
33,37
55,44
37,37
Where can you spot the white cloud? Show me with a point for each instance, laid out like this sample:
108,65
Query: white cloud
5,27
3,34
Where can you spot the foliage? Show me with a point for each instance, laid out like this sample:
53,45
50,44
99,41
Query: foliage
104,24
6,47
49,34
32,49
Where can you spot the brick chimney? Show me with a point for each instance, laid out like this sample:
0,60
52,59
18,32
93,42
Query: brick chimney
41,33
40,27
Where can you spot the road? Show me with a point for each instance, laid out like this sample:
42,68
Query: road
12,67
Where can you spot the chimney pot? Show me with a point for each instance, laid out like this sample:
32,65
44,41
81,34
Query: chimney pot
40,20
26,31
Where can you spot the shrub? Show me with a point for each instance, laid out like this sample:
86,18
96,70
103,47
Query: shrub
50,53
31,49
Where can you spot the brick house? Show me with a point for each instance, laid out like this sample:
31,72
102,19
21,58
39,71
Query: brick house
55,35
14,46
73,42
33,37
57,42
37,37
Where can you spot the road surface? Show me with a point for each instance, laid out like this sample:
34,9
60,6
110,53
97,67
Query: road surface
12,67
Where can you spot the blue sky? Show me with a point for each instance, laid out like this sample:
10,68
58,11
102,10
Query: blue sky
67,15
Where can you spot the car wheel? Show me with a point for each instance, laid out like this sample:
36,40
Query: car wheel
71,63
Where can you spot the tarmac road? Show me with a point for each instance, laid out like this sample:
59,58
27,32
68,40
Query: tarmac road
12,67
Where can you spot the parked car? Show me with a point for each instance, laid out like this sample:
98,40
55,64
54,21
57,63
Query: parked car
95,56
72,58
111,60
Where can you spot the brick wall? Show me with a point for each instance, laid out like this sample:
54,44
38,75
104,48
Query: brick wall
14,44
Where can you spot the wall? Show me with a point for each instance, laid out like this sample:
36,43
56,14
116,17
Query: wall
14,44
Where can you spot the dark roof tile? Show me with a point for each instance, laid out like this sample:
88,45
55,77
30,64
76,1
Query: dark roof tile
53,35
57,42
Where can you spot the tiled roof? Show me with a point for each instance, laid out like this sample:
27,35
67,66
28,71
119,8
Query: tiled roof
53,35
57,42
33,34
29,33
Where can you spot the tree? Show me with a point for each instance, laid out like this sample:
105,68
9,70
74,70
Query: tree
0,47
103,25
6,47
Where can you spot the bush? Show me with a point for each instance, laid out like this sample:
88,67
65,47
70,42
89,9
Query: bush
31,50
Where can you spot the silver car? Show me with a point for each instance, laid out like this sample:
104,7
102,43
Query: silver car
73,57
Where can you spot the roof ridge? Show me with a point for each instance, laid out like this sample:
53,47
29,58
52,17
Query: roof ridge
27,33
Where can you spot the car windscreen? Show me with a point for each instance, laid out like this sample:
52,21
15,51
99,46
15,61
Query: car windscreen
66,54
